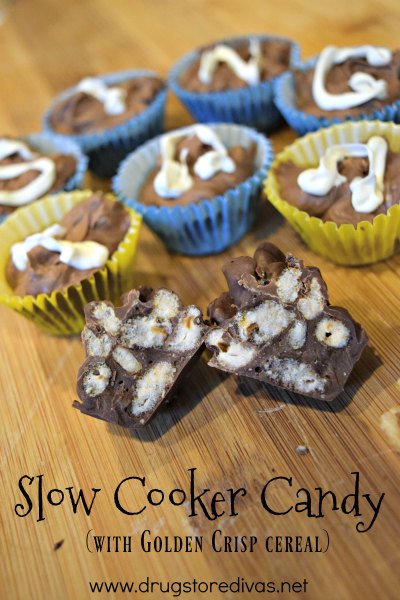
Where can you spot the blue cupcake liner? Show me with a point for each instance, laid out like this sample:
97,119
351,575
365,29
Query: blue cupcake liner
302,122
51,144
106,149
208,226
253,105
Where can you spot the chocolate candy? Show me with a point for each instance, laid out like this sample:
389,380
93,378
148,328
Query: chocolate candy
276,325
337,82
65,167
202,189
82,113
274,60
136,355
336,205
97,219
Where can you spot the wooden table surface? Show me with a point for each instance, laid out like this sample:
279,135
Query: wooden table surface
235,432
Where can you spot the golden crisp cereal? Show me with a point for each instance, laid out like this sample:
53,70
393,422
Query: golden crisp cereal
390,425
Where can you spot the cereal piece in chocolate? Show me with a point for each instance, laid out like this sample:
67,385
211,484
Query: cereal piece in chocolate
275,324
390,425
136,355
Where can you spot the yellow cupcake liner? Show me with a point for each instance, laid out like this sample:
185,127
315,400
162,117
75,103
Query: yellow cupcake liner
61,312
343,244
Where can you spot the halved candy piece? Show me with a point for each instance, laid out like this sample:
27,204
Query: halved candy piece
136,355
275,324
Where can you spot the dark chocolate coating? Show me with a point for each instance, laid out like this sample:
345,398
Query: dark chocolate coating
337,83
96,219
114,404
65,167
312,366
275,60
336,206
82,113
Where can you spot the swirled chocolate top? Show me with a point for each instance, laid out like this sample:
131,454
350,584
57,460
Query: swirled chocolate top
70,251
337,81
338,204
271,58
27,175
95,106
194,165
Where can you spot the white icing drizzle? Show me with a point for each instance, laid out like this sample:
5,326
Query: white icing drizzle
246,71
173,179
364,86
112,98
79,255
367,192
36,188
9,147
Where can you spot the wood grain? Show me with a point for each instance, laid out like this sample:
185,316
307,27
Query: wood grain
236,432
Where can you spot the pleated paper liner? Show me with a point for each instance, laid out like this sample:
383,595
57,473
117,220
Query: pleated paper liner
343,244
61,312
208,226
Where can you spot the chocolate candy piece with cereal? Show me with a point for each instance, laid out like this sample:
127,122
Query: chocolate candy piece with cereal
275,324
136,355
